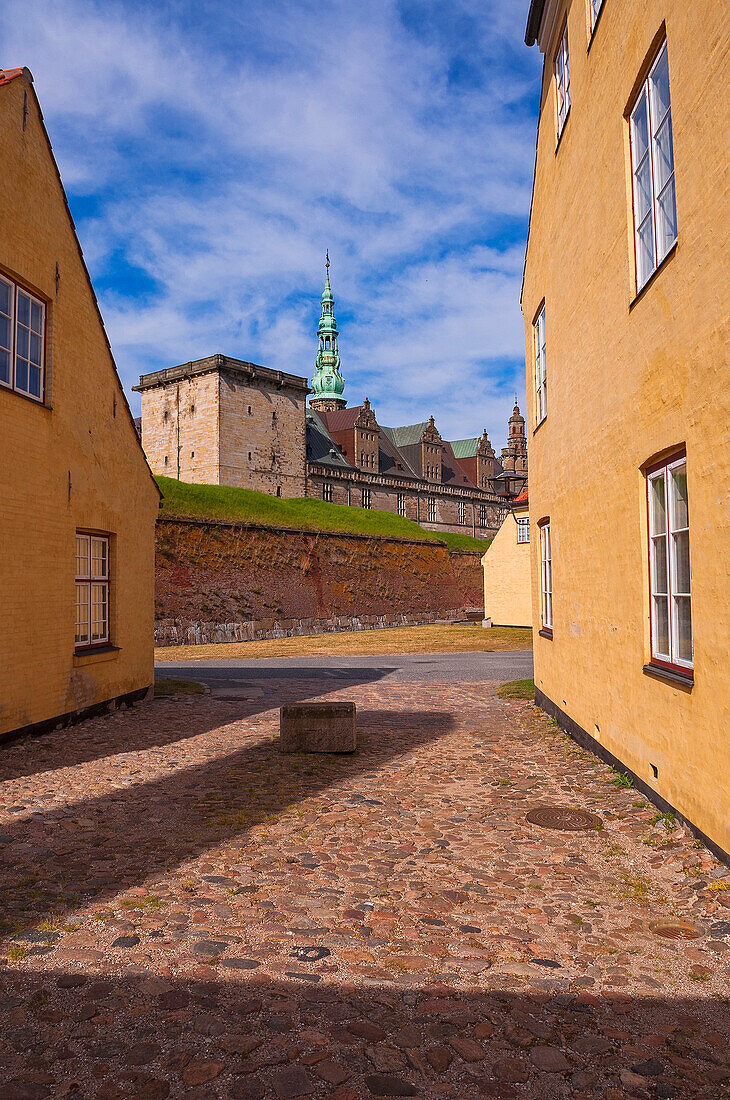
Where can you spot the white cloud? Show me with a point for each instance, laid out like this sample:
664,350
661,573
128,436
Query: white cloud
220,157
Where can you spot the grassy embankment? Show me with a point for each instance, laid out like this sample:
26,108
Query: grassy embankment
231,505
438,638
517,689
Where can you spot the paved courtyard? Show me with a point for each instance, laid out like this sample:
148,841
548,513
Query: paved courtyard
188,913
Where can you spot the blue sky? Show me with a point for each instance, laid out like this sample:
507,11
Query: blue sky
211,152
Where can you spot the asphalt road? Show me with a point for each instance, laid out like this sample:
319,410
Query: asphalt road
412,668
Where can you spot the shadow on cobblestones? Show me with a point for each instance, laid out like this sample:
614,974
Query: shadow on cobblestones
111,1037
78,744
92,849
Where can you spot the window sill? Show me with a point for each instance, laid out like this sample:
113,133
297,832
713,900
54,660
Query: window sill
640,293
84,657
595,25
37,401
538,426
546,633
684,679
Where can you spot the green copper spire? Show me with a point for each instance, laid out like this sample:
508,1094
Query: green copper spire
328,383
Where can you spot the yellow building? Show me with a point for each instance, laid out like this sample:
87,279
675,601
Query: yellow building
77,500
506,564
625,301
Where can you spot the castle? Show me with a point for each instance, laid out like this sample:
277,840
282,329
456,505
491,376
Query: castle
223,421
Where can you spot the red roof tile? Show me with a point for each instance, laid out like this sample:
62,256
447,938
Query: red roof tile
522,498
6,75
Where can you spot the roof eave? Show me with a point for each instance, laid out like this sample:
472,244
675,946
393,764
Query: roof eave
534,18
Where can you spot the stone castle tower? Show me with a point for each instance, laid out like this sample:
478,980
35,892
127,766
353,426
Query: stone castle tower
328,383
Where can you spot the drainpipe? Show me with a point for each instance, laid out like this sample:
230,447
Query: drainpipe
473,520
178,431
418,507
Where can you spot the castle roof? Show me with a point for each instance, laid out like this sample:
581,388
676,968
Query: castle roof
465,448
321,447
408,434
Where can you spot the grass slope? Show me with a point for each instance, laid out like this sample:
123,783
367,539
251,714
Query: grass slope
439,638
226,503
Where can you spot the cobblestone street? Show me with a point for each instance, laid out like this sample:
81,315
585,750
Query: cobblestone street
188,912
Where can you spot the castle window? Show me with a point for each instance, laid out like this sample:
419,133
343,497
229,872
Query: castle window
249,456
562,80
327,492
462,511
670,574
482,515
92,591
401,504
523,530
273,417
432,509
538,330
166,460
249,410
366,497
22,338
546,577
652,160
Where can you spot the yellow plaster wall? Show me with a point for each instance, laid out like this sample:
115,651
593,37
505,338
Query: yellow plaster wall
506,564
627,380
72,463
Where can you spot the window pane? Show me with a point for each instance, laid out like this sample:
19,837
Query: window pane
98,557
35,349
21,374
82,614
657,505
98,612
82,555
34,380
681,573
23,308
660,626
659,81
640,129
644,252
683,627
6,298
22,341
666,220
642,190
678,491
4,365
663,153
36,317
5,331
659,564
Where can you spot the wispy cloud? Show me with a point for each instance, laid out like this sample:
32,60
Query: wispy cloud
212,153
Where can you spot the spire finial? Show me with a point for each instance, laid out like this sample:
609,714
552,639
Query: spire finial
327,263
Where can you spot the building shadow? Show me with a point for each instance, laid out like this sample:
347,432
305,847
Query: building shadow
238,1037
163,722
92,849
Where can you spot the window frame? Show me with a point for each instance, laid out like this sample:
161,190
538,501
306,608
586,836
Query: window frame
669,661
523,527
401,504
91,580
12,384
366,500
431,509
462,511
539,354
562,80
327,492
645,94
546,578
595,10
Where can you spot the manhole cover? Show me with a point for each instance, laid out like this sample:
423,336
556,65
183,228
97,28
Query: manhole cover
674,930
563,817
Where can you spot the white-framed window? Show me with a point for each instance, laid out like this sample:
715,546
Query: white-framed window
22,338
432,509
401,504
538,333
562,80
596,6
652,163
482,515
546,573
523,530
92,590
327,491
366,497
462,511
670,575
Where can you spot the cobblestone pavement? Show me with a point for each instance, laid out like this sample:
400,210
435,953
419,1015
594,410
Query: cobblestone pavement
188,913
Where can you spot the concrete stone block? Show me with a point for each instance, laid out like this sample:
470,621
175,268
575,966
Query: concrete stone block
317,727
487,624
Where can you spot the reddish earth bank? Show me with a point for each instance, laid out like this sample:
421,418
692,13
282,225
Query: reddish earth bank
225,582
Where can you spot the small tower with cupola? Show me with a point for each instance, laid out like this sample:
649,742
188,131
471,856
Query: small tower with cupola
328,383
